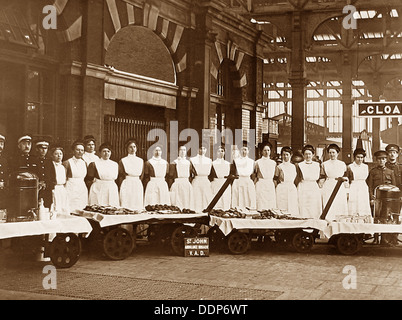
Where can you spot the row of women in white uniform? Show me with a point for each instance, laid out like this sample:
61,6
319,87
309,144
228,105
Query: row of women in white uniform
257,185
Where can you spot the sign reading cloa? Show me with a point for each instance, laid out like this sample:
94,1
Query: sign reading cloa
196,247
380,109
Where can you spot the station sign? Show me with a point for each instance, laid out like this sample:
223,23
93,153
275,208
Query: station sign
196,247
380,109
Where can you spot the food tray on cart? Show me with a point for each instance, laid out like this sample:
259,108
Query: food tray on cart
116,233
236,228
111,216
267,219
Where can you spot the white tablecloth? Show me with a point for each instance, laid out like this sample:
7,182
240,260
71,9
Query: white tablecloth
63,224
361,228
227,225
106,220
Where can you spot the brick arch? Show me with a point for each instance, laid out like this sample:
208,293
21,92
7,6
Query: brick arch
120,14
229,51
126,53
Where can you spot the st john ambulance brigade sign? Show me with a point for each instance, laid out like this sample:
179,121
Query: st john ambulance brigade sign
196,247
380,109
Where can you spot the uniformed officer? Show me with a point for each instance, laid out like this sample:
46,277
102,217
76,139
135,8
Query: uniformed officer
380,174
3,174
392,163
44,171
24,160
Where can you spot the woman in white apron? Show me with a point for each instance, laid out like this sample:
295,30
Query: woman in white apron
330,171
76,167
201,169
131,169
181,191
60,199
243,189
155,172
103,173
309,193
220,170
286,192
266,171
359,196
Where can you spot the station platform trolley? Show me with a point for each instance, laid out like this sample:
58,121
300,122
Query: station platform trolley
116,234
383,230
58,239
237,233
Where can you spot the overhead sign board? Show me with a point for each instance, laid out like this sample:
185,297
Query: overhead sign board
380,109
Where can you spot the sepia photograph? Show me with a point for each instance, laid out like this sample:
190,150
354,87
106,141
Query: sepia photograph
200,158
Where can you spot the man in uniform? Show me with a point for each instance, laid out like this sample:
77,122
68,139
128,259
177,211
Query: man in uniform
3,178
24,160
380,175
44,166
392,163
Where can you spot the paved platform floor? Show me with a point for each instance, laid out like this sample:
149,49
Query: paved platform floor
262,274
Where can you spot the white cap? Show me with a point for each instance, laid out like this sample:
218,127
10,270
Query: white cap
42,143
2,137
24,138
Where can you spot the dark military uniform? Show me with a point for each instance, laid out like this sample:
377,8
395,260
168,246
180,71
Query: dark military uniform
24,162
379,176
397,168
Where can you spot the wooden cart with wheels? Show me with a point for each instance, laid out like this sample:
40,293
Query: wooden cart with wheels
117,241
349,238
239,232
64,249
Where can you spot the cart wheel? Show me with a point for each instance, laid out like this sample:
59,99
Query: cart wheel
177,238
216,238
118,244
303,241
238,242
65,250
348,244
